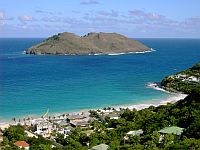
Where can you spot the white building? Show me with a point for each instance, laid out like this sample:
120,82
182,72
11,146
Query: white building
44,128
193,79
181,76
133,133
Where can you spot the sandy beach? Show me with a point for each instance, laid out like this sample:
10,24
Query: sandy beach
174,97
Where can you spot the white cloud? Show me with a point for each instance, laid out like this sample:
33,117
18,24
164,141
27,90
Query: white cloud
3,16
140,23
26,18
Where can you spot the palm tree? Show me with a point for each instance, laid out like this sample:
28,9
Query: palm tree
14,119
63,115
24,119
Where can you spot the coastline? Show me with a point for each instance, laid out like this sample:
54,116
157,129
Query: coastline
172,98
97,54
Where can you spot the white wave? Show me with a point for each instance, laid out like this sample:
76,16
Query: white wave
149,51
153,50
156,87
98,54
113,54
143,52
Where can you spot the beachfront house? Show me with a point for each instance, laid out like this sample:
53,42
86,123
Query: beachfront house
78,120
62,122
113,116
76,117
44,128
170,130
81,123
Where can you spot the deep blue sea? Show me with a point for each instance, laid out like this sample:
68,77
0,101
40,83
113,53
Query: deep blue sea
31,84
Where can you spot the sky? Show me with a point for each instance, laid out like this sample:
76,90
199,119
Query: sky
133,18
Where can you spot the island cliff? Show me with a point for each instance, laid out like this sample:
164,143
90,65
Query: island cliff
92,43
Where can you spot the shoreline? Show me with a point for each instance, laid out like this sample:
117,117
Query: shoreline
172,98
97,54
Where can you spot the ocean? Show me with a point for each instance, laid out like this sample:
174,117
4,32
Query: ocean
29,84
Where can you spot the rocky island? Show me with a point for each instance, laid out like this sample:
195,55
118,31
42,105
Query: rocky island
93,43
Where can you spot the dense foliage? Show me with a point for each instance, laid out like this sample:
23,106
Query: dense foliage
174,84
184,113
16,133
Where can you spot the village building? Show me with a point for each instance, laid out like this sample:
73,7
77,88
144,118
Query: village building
181,76
81,123
22,144
62,122
170,130
3,126
193,79
44,128
76,117
100,147
113,116
135,132
29,134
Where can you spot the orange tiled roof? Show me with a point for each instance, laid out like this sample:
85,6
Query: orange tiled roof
21,143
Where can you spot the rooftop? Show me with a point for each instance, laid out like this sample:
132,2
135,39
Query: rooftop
100,147
172,130
136,132
21,144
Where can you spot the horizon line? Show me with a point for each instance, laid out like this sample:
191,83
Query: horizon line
128,37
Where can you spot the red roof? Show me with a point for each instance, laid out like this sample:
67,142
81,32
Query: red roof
21,144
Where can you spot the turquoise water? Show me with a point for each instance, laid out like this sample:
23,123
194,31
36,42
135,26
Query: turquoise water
30,84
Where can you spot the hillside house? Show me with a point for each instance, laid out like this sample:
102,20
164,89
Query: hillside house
193,79
22,145
170,130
